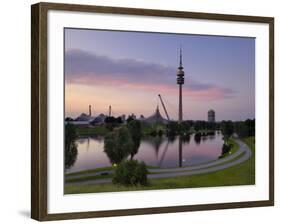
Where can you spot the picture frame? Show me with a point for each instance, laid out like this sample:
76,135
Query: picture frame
40,101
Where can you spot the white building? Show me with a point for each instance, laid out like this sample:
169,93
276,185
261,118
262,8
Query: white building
211,116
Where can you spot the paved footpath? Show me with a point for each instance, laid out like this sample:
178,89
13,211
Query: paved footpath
244,153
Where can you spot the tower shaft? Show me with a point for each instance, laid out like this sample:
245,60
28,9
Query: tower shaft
109,111
90,111
180,103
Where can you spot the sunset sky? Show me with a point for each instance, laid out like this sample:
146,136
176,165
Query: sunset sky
128,70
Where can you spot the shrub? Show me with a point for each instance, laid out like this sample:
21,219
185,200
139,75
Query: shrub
130,172
226,148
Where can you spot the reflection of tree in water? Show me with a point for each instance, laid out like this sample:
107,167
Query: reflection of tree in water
135,131
185,138
204,138
98,139
155,142
171,138
136,147
70,151
70,156
197,138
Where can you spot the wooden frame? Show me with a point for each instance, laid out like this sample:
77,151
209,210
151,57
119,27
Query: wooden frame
39,110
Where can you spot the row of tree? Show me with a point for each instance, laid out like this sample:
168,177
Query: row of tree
174,128
241,128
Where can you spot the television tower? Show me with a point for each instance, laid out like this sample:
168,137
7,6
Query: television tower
109,111
180,82
90,111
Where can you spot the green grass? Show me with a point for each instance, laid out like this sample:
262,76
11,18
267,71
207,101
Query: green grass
88,178
235,146
90,171
92,131
241,174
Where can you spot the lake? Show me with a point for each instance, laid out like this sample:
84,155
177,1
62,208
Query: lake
157,151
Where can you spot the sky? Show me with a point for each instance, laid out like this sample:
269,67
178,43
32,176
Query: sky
128,70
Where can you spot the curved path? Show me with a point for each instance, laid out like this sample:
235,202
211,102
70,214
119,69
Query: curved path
244,153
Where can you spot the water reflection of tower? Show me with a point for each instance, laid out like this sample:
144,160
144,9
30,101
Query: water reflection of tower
180,151
88,144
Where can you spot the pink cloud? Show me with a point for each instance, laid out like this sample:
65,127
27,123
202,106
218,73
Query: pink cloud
89,69
208,93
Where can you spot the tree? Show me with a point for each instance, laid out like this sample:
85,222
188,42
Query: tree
131,118
225,150
241,129
197,126
172,128
70,150
130,172
245,128
251,126
118,145
227,129
112,122
134,127
211,125
68,119
185,127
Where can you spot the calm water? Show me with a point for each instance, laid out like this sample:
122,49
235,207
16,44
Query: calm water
154,151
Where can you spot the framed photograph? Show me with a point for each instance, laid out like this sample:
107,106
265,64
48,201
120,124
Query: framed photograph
140,111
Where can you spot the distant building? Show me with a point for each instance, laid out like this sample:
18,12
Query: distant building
83,117
99,119
82,120
123,117
211,116
156,118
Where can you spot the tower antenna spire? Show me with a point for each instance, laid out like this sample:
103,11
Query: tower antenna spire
180,57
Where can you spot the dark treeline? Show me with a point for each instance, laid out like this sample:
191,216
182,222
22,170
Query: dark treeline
241,128
188,126
112,122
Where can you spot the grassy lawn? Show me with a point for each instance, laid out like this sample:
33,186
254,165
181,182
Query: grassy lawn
241,174
90,171
79,179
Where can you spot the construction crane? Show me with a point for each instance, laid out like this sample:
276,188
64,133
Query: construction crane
168,118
